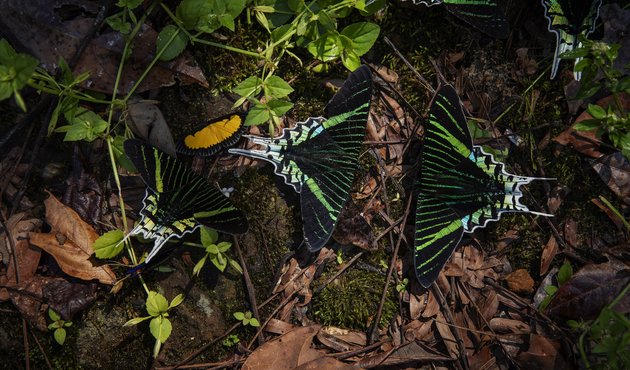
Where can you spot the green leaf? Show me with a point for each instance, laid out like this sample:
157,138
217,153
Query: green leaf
199,265
218,261
251,86
156,304
136,320
277,87
209,15
119,154
212,249
565,273
117,23
575,53
327,47
363,36
587,125
160,328
85,124
130,4
235,265
350,60
109,244
280,107
208,236
224,246
176,301
254,322
60,335
7,53
239,316
173,49
257,115
596,111
54,316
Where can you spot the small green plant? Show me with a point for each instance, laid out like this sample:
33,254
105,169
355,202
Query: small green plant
230,341
564,274
15,71
596,64
160,326
402,285
215,252
58,325
246,318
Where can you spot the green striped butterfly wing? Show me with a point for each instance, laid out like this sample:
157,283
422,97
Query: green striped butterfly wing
485,15
568,19
460,187
319,157
178,201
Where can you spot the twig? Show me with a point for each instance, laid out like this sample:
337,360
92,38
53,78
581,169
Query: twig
341,271
449,316
423,81
248,284
12,248
372,337
27,355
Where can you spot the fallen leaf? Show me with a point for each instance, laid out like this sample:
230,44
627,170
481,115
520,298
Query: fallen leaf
352,228
27,257
519,281
611,215
504,325
548,253
589,290
279,327
341,340
570,232
614,170
447,335
73,254
328,363
147,122
28,299
543,353
288,351
556,196
69,298
408,353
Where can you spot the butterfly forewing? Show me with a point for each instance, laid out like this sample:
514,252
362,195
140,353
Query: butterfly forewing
212,136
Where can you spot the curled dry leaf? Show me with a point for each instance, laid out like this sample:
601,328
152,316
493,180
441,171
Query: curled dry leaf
29,299
27,257
548,253
279,327
503,325
341,340
589,290
147,121
352,228
543,353
73,253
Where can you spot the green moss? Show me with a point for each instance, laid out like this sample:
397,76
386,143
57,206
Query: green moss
351,301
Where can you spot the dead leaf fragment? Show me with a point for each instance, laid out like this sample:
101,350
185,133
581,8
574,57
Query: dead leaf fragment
72,254
589,290
614,170
286,352
548,253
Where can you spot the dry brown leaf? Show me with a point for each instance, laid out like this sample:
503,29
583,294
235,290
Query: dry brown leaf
543,353
611,215
503,325
285,352
72,254
26,256
570,232
410,353
556,196
327,363
548,253
280,327
614,170
447,335
519,281
416,330
341,340
432,306
489,304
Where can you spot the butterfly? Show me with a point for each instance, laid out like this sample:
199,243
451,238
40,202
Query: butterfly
485,15
212,136
568,19
319,157
460,187
177,200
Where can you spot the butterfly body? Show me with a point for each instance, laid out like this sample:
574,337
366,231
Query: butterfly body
460,187
177,200
568,19
318,157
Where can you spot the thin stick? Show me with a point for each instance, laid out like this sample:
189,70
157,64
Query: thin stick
248,284
423,81
338,273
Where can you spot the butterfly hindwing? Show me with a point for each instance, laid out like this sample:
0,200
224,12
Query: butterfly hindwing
460,187
568,19
319,157
177,200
